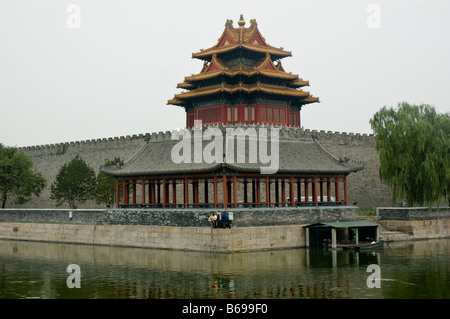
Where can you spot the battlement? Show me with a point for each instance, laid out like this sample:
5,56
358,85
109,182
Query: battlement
285,131
92,142
331,134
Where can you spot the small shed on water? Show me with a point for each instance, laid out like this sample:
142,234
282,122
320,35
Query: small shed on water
340,233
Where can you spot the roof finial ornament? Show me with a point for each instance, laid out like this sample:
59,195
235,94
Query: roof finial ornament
229,24
241,21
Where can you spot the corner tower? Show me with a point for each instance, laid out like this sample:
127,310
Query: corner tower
243,81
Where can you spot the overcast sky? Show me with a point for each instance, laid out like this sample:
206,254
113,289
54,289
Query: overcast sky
107,68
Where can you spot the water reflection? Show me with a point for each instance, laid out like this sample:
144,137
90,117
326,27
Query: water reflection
38,270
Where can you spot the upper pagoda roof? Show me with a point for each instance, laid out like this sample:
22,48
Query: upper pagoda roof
242,72
265,66
241,38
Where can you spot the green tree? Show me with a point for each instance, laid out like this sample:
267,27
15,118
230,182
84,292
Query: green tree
17,178
75,183
413,142
106,190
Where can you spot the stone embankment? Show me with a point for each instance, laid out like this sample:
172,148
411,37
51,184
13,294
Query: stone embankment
259,229
188,229
415,223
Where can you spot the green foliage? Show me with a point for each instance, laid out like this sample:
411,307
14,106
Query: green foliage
75,183
17,178
106,191
413,142
61,150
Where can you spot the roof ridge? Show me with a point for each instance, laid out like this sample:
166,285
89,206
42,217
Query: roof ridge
340,161
141,149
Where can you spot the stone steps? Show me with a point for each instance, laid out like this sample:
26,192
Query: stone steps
384,233
394,236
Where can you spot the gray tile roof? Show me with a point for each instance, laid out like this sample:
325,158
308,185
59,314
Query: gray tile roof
296,155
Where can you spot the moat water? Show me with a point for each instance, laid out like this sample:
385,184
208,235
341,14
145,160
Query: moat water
418,269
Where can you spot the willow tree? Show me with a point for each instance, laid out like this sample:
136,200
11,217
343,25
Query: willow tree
413,142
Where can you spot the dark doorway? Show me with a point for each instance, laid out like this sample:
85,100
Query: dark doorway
319,236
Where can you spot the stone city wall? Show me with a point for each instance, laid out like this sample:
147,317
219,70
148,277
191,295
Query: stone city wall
364,187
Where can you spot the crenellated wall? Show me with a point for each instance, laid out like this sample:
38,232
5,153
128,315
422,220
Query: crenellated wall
364,187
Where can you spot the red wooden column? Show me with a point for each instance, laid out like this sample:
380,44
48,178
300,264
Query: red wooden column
258,192
245,191
328,190
174,192
267,191
314,191
283,191
299,191
149,185
168,182
321,189
291,192
225,190
153,189
215,192
235,191
164,192
125,192
158,191
241,112
206,191
195,191
345,191
143,191
117,193
253,191
257,113
338,195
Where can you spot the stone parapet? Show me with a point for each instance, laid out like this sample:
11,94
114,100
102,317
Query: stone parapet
181,217
412,213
